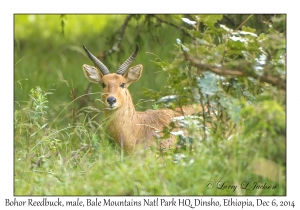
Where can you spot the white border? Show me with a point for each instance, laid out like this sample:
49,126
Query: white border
130,6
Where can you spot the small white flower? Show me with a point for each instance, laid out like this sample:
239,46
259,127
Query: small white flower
188,21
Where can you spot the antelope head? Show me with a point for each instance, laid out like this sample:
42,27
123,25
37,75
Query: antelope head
115,92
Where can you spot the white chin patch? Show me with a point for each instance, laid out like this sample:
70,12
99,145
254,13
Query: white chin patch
109,107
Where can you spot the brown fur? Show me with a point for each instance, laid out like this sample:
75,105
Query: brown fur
127,126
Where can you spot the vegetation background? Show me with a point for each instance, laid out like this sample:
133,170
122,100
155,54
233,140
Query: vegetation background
235,64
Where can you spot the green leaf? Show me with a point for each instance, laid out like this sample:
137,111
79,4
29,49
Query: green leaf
208,84
248,29
210,20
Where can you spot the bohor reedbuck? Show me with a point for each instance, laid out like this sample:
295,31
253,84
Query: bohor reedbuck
126,126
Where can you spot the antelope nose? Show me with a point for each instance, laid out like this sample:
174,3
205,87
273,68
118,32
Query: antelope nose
111,100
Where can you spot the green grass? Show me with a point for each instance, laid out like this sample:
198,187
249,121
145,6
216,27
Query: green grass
61,146
105,171
80,160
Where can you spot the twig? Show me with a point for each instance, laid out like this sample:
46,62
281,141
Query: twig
236,72
244,22
117,44
173,25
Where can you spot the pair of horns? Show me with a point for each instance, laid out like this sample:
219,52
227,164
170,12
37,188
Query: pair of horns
104,69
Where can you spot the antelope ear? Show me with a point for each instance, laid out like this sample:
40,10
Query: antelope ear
133,74
92,73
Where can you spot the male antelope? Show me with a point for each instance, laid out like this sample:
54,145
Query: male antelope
127,126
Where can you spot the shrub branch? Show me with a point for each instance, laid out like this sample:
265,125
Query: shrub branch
280,83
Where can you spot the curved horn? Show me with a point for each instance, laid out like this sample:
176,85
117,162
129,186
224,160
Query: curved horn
96,61
127,63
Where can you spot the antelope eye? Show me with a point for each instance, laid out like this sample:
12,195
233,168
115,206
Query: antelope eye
103,85
122,85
